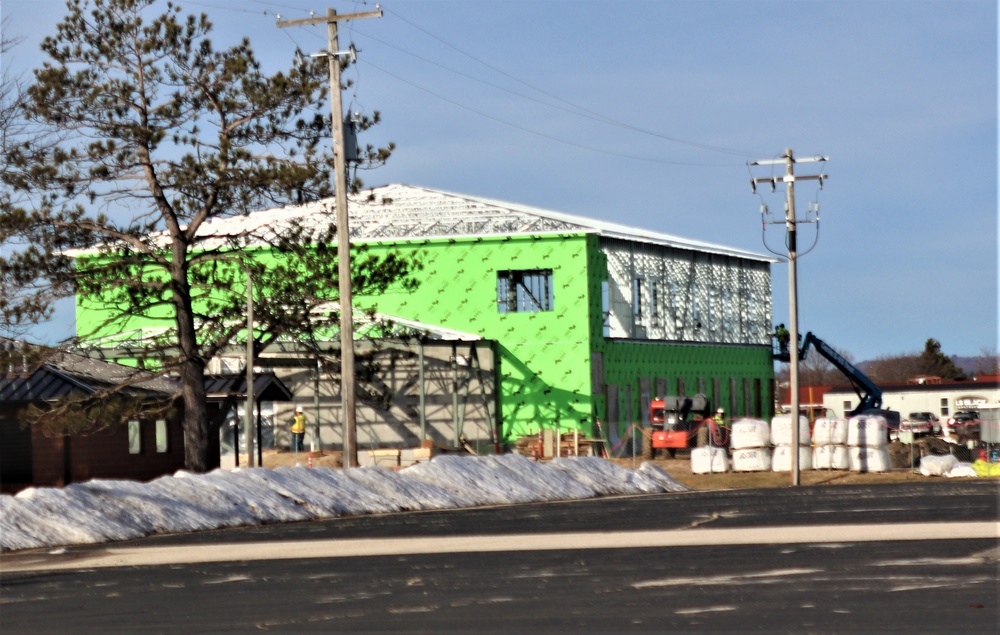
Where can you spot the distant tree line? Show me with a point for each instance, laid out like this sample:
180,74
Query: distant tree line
815,370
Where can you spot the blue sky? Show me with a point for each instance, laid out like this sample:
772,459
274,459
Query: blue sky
646,113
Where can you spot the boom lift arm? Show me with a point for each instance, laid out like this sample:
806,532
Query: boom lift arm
869,394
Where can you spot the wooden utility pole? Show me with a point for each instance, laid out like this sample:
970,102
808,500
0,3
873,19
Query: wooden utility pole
249,422
350,450
793,285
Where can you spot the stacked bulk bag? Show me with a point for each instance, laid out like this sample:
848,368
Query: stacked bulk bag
830,457
867,440
751,460
749,433
781,458
830,444
709,459
781,430
750,440
781,438
829,431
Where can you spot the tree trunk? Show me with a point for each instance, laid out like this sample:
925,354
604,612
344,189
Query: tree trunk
192,368
196,428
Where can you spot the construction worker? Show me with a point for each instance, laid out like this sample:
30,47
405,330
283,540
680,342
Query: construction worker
783,337
298,430
720,429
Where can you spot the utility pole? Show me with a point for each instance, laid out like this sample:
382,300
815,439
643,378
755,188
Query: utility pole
248,426
350,450
793,285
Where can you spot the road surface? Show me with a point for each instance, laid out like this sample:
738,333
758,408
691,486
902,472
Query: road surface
900,558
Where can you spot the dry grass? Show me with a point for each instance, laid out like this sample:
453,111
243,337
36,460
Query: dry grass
680,470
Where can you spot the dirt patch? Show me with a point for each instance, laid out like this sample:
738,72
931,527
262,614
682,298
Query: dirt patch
282,458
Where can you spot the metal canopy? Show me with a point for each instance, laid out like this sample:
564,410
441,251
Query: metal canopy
266,387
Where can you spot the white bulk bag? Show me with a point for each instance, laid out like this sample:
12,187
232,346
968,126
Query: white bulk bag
749,433
869,459
932,465
828,431
870,431
706,459
830,457
781,458
752,460
781,430
962,469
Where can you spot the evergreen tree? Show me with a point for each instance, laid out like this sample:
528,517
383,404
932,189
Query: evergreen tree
933,362
159,135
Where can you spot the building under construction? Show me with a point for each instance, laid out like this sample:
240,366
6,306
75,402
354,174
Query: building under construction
527,319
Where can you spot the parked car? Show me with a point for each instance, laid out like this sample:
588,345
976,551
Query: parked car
964,426
921,423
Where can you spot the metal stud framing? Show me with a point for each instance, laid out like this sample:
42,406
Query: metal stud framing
664,293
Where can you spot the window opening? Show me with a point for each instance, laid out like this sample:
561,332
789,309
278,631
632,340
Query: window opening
528,291
637,284
606,307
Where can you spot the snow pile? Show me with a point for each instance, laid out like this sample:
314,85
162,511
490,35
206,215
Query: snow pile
107,510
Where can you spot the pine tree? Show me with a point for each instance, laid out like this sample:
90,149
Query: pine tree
933,362
159,135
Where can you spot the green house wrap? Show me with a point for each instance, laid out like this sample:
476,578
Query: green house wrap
588,320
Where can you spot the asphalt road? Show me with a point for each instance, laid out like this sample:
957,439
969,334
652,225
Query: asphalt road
830,559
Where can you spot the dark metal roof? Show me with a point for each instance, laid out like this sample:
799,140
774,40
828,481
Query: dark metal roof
266,387
66,374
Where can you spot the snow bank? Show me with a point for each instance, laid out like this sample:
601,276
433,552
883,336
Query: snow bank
103,511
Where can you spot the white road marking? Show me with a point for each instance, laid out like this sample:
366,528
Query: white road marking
363,547
923,562
722,579
707,609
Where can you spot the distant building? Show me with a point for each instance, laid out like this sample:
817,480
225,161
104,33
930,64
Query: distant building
811,401
943,399
142,448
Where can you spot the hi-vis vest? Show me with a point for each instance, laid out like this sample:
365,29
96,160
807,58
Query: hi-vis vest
299,423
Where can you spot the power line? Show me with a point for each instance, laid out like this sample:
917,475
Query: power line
576,107
569,107
537,133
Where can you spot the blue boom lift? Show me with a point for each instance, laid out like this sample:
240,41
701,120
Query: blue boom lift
869,394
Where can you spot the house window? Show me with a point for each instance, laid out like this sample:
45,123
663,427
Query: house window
161,436
847,407
134,437
528,291
944,407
